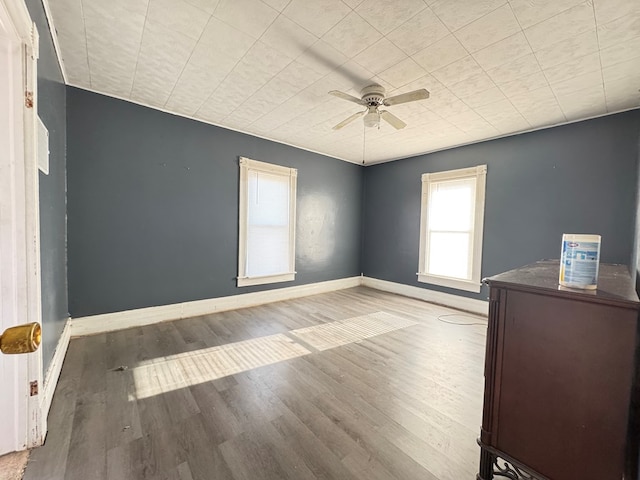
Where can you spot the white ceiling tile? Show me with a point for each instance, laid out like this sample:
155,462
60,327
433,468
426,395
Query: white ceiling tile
114,7
380,56
108,82
231,93
426,81
482,130
621,95
525,65
418,32
508,123
403,73
163,55
297,76
207,6
221,46
579,82
493,27
279,5
322,57
76,64
318,92
318,16
628,71
178,15
193,87
211,112
609,10
227,77
563,26
271,95
464,121
352,35
440,54
214,60
624,29
386,16
568,50
472,86
352,75
446,104
113,68
234,12
164,50
543,96
380,81
69,18
73,46
151,88
288,37
260,65
112,24
457,71
539,116
583,103
491,95
621,52
530,12
578,66
250,111
539,107
504,51
524,84
458,13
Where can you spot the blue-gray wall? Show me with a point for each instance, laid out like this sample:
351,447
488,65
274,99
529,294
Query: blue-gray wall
53,227
578,178
153,207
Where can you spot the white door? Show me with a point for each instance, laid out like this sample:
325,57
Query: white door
19,262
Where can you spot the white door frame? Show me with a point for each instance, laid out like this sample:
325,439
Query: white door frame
23,425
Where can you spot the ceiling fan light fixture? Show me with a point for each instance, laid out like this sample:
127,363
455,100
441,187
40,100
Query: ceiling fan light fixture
372,118
373,97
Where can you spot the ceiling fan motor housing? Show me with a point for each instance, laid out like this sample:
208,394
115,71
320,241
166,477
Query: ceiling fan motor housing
373,95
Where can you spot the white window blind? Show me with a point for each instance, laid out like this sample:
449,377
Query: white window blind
267,218
451,228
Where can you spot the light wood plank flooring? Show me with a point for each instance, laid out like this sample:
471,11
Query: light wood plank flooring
405,404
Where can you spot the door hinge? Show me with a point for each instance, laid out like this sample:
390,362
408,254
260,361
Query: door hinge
28,99
34,388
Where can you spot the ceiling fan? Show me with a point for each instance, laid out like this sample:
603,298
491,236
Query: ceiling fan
373,98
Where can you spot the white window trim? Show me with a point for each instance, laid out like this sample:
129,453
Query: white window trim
473,285
247,164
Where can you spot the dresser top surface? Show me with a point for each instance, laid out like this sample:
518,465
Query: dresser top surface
614,283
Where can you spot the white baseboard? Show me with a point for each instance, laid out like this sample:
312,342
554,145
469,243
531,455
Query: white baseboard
109,322
54,369
454,301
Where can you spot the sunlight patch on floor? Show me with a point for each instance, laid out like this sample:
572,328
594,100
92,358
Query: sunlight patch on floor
173,372
351,330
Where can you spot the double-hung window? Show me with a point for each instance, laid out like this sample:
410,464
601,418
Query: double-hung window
267,223
452,217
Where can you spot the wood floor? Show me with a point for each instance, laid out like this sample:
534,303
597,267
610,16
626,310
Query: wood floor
401,405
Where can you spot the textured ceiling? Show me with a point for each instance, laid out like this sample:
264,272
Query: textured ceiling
493,67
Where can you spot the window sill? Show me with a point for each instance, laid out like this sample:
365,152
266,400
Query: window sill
467,285
248,281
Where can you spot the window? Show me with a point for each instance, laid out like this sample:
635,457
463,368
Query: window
267,223
452,216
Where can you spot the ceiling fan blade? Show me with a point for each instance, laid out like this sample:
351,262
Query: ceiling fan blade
407,97
347,121
346,96
392,120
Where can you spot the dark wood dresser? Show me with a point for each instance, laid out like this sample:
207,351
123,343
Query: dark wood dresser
560,388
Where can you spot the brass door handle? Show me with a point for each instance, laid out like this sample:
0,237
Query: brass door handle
21,338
